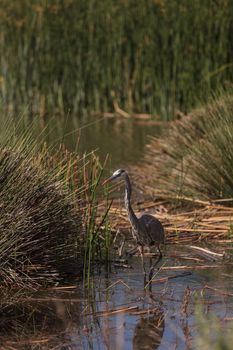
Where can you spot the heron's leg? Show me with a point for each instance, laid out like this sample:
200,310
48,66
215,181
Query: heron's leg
132,251
141,252
151,272
160,253
156,263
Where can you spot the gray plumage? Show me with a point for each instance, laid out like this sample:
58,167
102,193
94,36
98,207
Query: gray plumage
146,229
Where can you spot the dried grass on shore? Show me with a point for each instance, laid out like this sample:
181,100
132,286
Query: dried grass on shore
207,221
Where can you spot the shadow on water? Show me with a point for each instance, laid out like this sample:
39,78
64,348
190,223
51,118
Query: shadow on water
117,313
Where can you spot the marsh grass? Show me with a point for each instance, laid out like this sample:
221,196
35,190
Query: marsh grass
97,233
193,158
74,54
212,331
38,221
48,204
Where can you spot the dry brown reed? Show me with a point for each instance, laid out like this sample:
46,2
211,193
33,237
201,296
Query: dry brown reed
205,222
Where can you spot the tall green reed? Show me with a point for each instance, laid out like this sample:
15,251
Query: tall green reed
96,238
157,56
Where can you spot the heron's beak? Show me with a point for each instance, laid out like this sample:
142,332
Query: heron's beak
108,180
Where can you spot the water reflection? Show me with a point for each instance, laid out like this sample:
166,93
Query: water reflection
149,331
47,319
116,312
124,140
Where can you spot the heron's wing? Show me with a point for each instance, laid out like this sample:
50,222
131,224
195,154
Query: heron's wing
153,227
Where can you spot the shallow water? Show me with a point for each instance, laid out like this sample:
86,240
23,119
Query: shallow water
124,140
117,313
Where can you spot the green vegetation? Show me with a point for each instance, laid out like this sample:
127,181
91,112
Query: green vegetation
63,63
157,56
194,157
95,243
213,333
48,209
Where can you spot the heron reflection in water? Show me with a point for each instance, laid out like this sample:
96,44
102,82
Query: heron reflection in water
149,331
146,229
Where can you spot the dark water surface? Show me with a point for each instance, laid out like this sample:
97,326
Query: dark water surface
124,140
117,313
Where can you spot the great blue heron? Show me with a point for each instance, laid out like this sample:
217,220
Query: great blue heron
146,229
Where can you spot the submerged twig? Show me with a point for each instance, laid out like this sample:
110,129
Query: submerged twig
218,291
166,279
207,253
185,302
188,267
115,311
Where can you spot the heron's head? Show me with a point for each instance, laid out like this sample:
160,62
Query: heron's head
118,174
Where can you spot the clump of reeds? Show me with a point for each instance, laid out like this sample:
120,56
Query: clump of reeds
145,52
48,206
39,224
194,155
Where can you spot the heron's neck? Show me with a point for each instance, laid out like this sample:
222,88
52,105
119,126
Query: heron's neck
132,217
